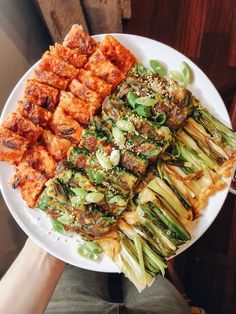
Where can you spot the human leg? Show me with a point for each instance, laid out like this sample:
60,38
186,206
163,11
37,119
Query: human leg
80,291
160,298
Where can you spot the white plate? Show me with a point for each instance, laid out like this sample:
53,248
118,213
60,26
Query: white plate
34,222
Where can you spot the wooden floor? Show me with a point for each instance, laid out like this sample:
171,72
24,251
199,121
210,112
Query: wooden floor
204,31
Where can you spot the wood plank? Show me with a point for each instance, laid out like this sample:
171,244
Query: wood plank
59,15
232,45
190,27
103,16
125,9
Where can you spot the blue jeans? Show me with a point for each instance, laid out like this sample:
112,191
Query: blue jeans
83,291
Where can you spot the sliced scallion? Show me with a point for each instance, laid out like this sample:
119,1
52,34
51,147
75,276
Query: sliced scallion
94,197
104,160
160,118
143,111
57,226
95,176
125,125
157,67
146,101
65,219
118,136
131,97
115,157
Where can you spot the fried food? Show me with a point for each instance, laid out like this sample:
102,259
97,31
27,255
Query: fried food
101,67
117,54
30,181
78,109
56,145
78,38
25,128
41,95
95,83
39,159
66,127
12,146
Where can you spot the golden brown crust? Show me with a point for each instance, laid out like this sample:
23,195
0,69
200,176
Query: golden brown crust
56,65
72,56
78,109
101,67
95,83
84,93
50,79
34,113
25,128
41,95
30,181
39,159
66,127
117,54
56,145
78,38
12,146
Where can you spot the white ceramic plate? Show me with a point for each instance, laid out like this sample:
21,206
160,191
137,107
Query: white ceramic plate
35,223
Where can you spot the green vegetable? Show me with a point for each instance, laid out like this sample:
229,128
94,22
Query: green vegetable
95,176
89,250
83,251
186,73
118,200
115,157
104,160
118,136
57,226
125,125
143,111
153,153
160,118
184,76
66,219
80,196
146,101
94,197
157,67
131,97
162,189
93,247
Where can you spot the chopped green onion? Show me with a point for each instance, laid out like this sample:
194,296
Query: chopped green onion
131,97
79,191
115,157
186,72
160,118
57,226
104,160
177,76
80,197
83,251
93,256
153,153
93,247
118,136
157,67
65,219
95,176
125,125
94,197
146,101
118,200
143,111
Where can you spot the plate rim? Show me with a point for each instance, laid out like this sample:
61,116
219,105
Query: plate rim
31,234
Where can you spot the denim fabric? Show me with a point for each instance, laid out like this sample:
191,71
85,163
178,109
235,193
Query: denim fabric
82,291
